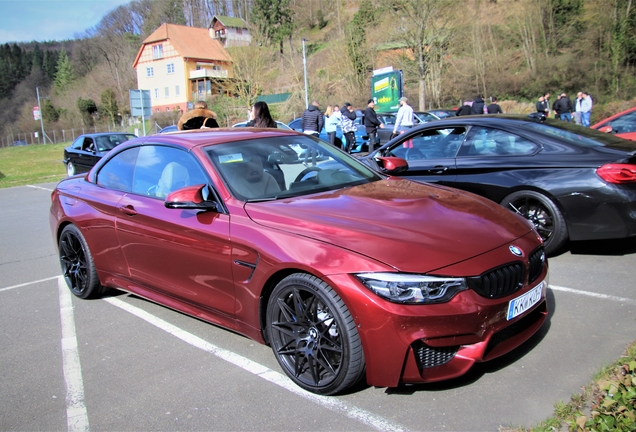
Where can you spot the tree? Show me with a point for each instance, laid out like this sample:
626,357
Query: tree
273,20
425,28
49,113
87,109
109,106
249,64
65,76
355,34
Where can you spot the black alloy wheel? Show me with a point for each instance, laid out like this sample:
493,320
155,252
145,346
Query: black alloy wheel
313,335
77,264
543,214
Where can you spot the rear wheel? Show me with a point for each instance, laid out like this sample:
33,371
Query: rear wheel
544,215
313,335
70,169
77,264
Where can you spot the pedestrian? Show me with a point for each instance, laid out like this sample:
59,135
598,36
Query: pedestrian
479,106
586,109
494,107
404,118
465,109
260,116
542,106
312,124
200,117
546,100
332,121
577,108
563,108
371,124
349,128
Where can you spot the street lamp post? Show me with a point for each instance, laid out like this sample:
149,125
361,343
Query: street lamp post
305,72
37,92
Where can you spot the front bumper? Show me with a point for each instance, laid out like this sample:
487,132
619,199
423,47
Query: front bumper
427,343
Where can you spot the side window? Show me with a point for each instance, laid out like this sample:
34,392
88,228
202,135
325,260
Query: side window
483,141
117,173
77,144
430,144
161,170
88,145
624,124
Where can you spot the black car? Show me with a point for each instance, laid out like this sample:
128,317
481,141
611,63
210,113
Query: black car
87,149
571,182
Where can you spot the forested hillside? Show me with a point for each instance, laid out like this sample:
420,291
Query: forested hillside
448,50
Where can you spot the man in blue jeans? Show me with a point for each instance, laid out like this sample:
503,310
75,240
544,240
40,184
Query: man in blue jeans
586,109
563,108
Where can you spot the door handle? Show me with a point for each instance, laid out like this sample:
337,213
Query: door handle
439,169
128,209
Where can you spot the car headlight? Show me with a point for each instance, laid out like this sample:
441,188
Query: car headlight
412,289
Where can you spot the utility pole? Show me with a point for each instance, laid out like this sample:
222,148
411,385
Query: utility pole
37,92
305,72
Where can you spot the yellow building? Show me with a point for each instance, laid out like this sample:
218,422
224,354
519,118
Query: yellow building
181,64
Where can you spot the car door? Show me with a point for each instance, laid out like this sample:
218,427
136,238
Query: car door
430,153
624,126
85,157
491,161
184,254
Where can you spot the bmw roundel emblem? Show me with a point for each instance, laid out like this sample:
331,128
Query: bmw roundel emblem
516,251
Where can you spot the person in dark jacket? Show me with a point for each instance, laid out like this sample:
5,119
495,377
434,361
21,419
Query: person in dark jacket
465,109
563,108
371,124
494,107
543,106
313,120
478,105
348,126
312,123
198,118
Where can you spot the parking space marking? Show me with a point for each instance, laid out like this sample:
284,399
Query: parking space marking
40,187
28,283
76,413
593,294
367,418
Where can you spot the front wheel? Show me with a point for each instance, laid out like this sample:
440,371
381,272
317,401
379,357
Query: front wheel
70,169
77,264
313,335
543,214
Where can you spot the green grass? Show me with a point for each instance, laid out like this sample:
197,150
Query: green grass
32,164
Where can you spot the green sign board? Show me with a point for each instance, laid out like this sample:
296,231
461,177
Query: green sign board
386,90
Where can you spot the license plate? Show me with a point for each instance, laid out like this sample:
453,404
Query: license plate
524,302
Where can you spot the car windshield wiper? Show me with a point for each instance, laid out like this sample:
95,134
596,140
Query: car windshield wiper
251,200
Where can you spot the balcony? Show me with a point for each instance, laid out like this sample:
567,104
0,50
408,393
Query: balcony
207,73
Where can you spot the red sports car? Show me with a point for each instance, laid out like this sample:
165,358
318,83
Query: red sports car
347,274
622,124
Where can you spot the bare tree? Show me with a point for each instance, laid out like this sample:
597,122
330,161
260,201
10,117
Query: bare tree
424,25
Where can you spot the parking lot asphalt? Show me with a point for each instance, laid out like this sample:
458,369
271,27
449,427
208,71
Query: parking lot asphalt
122,363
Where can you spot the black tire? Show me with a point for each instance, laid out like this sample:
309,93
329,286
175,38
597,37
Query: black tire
543,214
77,264
70,169
313,335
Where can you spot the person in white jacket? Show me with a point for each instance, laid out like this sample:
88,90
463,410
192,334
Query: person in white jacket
404,119
332,121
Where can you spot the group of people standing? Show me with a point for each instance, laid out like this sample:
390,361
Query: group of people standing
478,106
566,110
313,122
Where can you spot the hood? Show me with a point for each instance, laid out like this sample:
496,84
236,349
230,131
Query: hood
410,226
312,108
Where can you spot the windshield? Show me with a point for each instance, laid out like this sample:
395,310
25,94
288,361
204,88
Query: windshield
285,166
580,135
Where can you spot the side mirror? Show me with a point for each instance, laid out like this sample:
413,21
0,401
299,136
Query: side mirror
191,198
392,165
606,129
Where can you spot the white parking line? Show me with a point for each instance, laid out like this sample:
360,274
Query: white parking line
28,283
76,414
367,418
593,294
40,187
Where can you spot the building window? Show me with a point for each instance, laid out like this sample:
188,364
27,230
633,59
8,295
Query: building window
167,91
176,91
167,108
156,93
150,72
157,52
170,67
156,109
